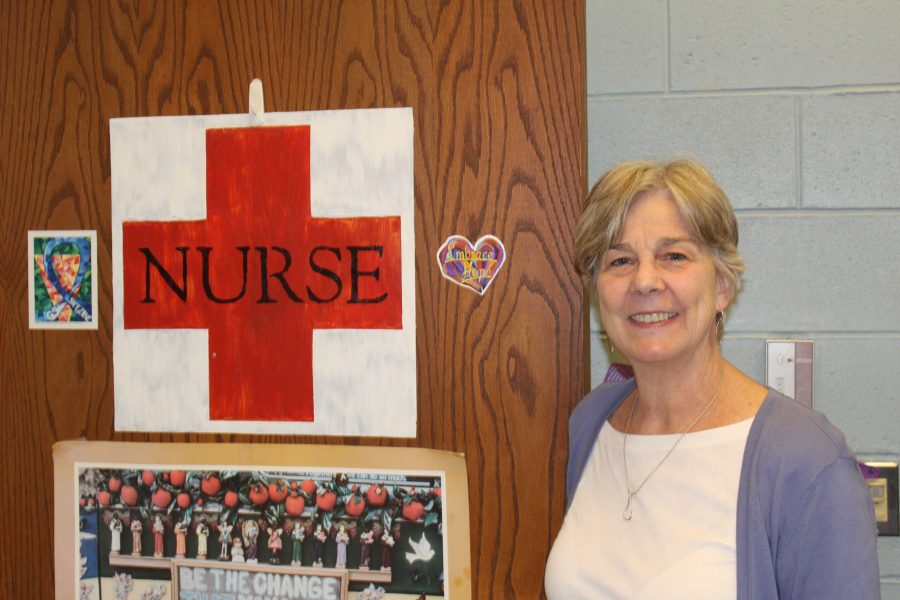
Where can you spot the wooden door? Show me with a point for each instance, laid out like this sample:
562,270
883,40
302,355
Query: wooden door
497,89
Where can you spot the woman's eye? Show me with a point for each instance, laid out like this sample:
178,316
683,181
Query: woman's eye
619,262
675,256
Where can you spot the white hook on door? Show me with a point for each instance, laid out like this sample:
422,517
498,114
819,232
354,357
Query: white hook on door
257,105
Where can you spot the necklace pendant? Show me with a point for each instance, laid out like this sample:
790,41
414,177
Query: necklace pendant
626,514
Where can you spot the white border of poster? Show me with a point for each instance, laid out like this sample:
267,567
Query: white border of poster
361,164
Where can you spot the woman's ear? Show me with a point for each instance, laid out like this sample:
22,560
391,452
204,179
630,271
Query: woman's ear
724,293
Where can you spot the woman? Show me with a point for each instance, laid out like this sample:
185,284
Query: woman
692,480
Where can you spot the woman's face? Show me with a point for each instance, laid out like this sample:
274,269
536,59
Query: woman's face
657,287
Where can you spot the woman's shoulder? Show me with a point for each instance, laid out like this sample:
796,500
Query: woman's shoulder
795,426
789,440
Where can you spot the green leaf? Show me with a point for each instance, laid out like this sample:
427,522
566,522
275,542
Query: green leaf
386,519
326,521
431,519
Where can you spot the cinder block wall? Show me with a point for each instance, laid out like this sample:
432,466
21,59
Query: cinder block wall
795,107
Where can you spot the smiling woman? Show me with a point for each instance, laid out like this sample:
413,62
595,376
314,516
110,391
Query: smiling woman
692,480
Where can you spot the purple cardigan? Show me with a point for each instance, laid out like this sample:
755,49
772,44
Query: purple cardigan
805,522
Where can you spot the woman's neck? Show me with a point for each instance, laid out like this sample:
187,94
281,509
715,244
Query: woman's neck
670,397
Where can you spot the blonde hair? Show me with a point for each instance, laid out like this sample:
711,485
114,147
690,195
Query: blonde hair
703,205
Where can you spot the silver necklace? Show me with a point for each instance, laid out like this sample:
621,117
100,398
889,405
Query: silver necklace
627,513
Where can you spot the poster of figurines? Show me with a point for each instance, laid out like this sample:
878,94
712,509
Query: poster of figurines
159,532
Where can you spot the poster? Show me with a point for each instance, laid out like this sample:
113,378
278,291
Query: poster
62,279
201,521
263,276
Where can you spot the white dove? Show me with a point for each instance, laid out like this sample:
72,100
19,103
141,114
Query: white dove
422,550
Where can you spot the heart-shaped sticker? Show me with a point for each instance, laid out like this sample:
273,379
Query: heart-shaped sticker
472,266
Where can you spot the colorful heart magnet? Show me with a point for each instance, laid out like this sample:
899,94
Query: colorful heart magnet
472,266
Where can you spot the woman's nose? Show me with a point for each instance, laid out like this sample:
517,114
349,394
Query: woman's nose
647,278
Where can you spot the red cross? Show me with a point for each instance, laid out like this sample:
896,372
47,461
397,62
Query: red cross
258,211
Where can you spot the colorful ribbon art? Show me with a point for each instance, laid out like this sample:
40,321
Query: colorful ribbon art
62,281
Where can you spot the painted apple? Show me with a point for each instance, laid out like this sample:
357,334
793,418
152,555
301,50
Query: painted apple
183,499
376,495
294,505
413,511
129,495
211,485
231,499
309,486
114,484
294,486
278,491
326,501
147,478
103,498
176,478
355,506
161,498
258,494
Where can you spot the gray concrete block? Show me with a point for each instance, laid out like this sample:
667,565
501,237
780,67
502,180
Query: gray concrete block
747,142
855,384
599,356
626,46
819,272
850,149
768,44
890,590
889,565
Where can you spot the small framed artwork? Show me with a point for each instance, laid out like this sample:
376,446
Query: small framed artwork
260,522
62,279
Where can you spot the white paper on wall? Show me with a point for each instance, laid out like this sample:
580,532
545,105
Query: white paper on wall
363,375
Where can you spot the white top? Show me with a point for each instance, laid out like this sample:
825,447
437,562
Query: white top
680,541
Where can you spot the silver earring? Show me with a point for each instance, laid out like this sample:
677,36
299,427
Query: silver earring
720,326
612,349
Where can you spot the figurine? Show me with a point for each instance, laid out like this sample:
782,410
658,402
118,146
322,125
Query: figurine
365,547
372,593
224,532
154,591
122,585
202,531
136,530
297,535
342,538
387,546
181,530
319,536
237,550
158,530
274,545
115,534
250,532
85,591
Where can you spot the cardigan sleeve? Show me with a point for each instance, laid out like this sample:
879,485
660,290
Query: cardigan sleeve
827,548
